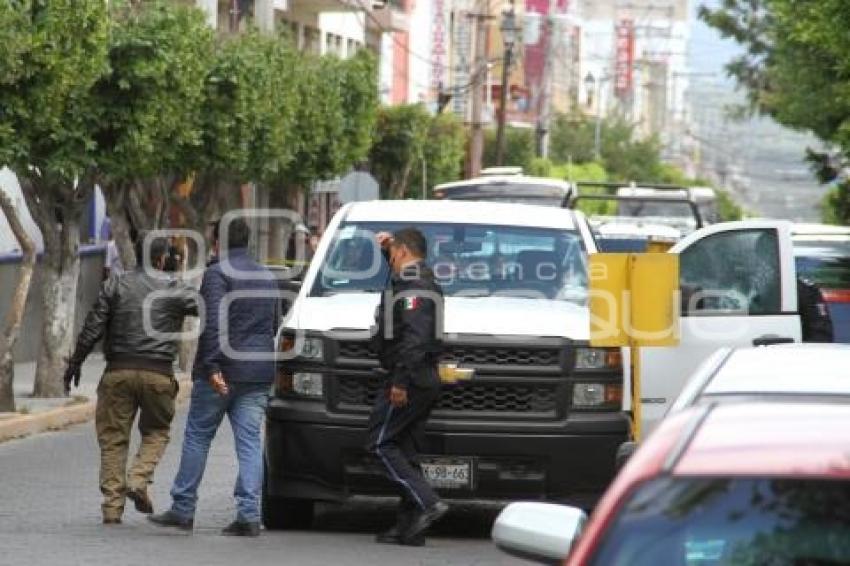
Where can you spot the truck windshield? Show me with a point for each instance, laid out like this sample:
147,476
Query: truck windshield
697,521
471,260
655,208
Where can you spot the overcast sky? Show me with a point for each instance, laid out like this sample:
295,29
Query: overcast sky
708,51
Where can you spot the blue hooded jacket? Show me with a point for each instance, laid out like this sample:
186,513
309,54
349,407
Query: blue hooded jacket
240,320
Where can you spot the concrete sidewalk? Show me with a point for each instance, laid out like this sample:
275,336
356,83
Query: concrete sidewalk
39,415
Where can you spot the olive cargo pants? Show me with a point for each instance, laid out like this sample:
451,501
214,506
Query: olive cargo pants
120,395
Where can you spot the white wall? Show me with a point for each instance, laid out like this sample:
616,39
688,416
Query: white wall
421,26
348,25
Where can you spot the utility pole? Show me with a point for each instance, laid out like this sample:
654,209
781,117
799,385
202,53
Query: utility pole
544,114
476,144
509,38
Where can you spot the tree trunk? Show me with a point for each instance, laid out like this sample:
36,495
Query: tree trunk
12,328
116,201
61,270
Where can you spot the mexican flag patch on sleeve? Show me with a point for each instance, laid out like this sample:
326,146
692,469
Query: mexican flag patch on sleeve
412,303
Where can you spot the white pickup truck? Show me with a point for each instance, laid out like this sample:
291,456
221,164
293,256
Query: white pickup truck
542,417
545,413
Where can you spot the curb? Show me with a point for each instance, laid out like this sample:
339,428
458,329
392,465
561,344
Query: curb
63,417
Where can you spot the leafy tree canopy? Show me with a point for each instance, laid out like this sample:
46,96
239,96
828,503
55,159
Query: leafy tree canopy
152,98
54,52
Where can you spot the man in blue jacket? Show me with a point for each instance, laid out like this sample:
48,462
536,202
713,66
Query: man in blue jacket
232,374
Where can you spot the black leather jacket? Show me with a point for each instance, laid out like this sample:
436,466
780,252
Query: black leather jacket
135,311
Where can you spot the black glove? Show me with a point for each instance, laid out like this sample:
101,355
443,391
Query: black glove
72,374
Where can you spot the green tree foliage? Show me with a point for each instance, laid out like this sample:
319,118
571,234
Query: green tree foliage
407,136
48,119
335,116
250,110
359,86
150,131
624,157
400,137
519,147
444,151
152,97
796,68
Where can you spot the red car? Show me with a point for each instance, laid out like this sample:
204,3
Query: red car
739,484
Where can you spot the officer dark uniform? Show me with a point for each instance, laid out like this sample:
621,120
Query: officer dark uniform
408,343
814,313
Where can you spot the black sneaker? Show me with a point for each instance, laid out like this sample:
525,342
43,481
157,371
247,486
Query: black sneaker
423,520
140,499
395,536
241,529
171,519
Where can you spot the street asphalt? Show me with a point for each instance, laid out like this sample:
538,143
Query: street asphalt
50,515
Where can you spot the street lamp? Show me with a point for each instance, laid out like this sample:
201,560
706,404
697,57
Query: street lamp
589,87
509,30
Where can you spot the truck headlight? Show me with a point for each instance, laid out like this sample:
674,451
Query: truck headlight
307,384
306,348
599,358
597,394
311,349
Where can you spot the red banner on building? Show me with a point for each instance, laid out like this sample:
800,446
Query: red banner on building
624,77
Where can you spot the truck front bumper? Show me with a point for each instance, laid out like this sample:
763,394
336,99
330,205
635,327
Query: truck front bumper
311,454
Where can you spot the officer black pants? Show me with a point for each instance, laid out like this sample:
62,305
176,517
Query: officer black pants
396,435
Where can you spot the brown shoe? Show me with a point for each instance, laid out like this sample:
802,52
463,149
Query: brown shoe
111,520
140,499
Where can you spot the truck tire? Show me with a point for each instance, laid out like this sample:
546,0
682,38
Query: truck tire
281,513
287,514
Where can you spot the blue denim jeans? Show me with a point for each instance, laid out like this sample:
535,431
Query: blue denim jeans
244,407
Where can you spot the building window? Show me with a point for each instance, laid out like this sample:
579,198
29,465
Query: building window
312,40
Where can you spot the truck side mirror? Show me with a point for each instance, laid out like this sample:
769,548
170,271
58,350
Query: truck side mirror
543,532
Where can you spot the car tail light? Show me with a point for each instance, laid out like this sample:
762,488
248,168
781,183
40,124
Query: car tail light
836,295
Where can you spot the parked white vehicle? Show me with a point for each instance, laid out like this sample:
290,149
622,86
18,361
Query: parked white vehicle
739,289
543,415
784,372
508,184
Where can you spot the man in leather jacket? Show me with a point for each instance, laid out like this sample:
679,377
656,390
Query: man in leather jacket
408,340
138,313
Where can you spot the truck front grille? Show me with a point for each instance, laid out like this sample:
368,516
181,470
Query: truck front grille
516,359
529,399
474,356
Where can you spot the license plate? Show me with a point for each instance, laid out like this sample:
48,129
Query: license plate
455,473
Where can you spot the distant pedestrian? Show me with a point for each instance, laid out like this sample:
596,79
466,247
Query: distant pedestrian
814,312
112,263
227,384
409,344
139,376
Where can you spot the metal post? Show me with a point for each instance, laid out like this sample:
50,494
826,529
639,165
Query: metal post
544,115
476,144
597,134
508,27
503,107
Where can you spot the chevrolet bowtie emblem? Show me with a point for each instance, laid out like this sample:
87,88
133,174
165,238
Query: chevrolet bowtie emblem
450,373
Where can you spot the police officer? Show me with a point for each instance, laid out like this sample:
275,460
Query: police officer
409,342
814,313
139,375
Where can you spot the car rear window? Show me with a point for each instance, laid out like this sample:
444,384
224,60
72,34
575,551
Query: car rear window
698,521
825,263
